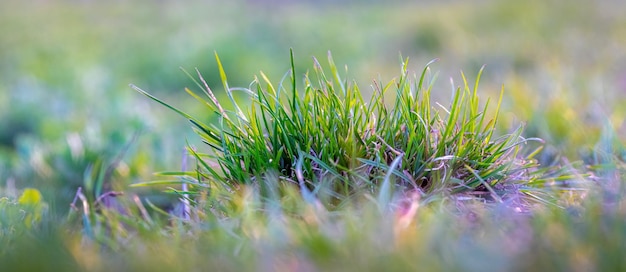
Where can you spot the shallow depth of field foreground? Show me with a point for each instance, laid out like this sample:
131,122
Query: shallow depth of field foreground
312,136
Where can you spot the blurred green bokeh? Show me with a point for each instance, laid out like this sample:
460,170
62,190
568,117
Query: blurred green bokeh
67,111
68,119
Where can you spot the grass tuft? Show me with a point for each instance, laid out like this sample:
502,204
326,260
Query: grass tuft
323,136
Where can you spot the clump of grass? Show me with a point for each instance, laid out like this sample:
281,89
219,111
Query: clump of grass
324,136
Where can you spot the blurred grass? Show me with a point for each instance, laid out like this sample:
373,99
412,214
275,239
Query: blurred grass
66,114
241,230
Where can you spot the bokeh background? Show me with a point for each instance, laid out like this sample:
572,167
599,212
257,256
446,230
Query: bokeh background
68,117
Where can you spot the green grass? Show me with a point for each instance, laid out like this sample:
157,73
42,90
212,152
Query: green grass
244,230
241,211
354,196
73,80
327,138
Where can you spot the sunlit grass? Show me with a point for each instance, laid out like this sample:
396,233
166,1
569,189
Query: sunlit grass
354,196
326,138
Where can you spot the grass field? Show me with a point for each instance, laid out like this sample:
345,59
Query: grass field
264,153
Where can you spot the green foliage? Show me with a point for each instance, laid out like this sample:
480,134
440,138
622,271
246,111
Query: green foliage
342,143
68,117
245,230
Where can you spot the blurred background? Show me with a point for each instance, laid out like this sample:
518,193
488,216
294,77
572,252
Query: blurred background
69,119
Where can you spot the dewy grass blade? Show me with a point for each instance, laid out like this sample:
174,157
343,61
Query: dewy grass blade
335,73
166,182
227,89
203,162
163,103
491,127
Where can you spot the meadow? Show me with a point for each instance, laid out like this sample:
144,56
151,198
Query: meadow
312,136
